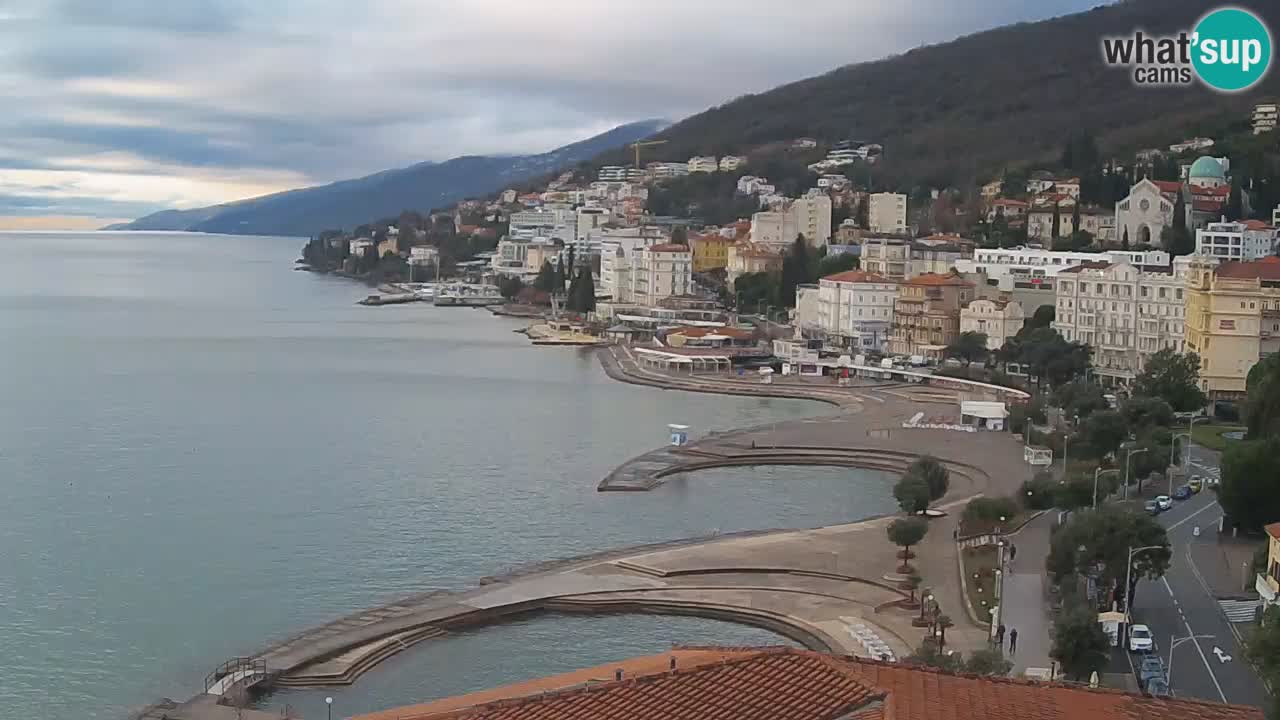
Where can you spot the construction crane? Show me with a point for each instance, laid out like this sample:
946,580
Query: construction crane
644,143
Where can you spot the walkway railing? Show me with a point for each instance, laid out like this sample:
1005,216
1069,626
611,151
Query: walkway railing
240,670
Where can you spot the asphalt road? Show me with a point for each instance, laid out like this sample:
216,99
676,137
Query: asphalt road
1180,605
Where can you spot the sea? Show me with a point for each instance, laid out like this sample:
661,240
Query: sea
203,450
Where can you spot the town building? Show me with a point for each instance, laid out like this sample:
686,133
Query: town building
1196,143
1233,320
617,248
1040,181
1147,211
359,247
1264,117
926,314
666,170
509,196
938,254
887,213
804,143
992,190
1032,267
1099,223
661,271
1068,186
747,257
853,310
710,251
612,173
999,320
1267,582
729,163
888,256
809,216
423,255
1248,240
1007,208
1206,172
589,220
703,164
1124,314
1041,212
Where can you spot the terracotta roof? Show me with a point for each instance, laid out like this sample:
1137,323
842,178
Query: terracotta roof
1207,205
668,247
1267,268
792,684
1008,202
934,279
1257,225
1273,530
1167,186
1086,265
857,276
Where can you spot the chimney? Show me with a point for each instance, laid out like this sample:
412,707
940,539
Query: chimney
617,675
673,663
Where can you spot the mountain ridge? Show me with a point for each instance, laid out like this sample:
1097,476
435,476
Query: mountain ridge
351,202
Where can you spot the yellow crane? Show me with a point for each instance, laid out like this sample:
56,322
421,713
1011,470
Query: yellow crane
644,143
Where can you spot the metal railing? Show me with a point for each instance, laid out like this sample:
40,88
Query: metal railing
255,668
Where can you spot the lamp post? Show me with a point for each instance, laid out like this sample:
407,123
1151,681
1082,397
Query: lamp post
1075,423
1097,473
1191,424
328,702
1127,458
1173,643
1128,575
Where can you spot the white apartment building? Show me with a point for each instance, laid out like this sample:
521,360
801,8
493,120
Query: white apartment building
888,257
855,309
809,216
703,164
1196,143
1264,117
1275,217
589,221
729,163
1249,240
612,173
617,248
661,271
887,213
664,170
1034,266
1124,314
999,320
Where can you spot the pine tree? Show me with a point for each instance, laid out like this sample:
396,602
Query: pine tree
862,216
1075,218
1056,230
1235,202
1124,243
571,300
546,280
586,291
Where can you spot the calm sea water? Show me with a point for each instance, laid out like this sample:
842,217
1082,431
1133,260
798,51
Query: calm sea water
202,451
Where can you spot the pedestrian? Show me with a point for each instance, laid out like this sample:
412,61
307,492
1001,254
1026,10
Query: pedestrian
1013,641
1000,635
955,534
1013,552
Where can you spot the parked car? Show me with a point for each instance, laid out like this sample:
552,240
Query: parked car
1158,687
1141,639
1164,501
1151,507
1196,484
1183,492
1152,666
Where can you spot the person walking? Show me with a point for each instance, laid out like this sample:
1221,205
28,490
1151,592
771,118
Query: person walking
1013,641
1013,552
1000,635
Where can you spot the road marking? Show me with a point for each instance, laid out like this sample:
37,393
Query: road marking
1222,657
1195,641
1210,506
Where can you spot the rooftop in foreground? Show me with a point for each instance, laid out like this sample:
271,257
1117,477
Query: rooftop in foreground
789,684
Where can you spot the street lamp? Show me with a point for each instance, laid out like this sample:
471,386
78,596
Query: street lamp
329,704
1128,574
1128,457
1173,445
1097,473
1074,425
1191,425
1173,643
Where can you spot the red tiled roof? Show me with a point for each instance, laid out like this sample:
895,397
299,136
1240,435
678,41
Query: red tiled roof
668,247
791,684
1257,225
1207,205
1167,186
1086,265
1267,268
1273,530
1008,202
856,276
934,279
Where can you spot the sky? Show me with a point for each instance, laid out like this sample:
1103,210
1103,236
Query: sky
113,109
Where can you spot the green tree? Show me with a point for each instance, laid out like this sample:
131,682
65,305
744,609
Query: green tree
1080,645
546,280
1262,646
1180,240
585,293
754,290
1056,229
1124,242
1079,398
510,287
838,263
988,662
1142,412
1105,431
935,475
1098,542
1075,221
1043,317
680,235
1250,490
906,533
797,269
1235,202
862,215
1262,408
912,493
970,346
1174,378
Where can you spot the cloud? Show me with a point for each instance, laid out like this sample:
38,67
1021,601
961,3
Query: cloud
224,98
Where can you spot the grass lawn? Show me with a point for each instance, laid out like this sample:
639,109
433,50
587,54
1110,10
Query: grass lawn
980,578
1210,436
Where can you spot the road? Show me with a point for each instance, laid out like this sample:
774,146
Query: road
1181,604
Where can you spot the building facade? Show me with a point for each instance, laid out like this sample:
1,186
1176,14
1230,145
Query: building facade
1250,240
926,314
710,251
855,310
888,257
703,164
1030,267
809,216
999,320
887,213
938,254
1264,117
661,271
1147,211
1233,321
748,257
1124,314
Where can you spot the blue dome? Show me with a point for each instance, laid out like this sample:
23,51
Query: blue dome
1207,167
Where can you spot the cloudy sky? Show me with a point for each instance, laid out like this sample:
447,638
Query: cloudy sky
116,108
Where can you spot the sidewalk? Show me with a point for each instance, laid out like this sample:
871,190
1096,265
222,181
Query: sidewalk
1024,599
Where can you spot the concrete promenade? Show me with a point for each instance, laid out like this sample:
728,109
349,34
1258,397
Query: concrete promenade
816,586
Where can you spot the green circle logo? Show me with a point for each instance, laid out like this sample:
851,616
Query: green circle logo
1231,49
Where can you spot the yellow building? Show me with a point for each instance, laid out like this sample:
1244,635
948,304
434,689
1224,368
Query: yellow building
710,251
747,257
1233,320
1268,584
